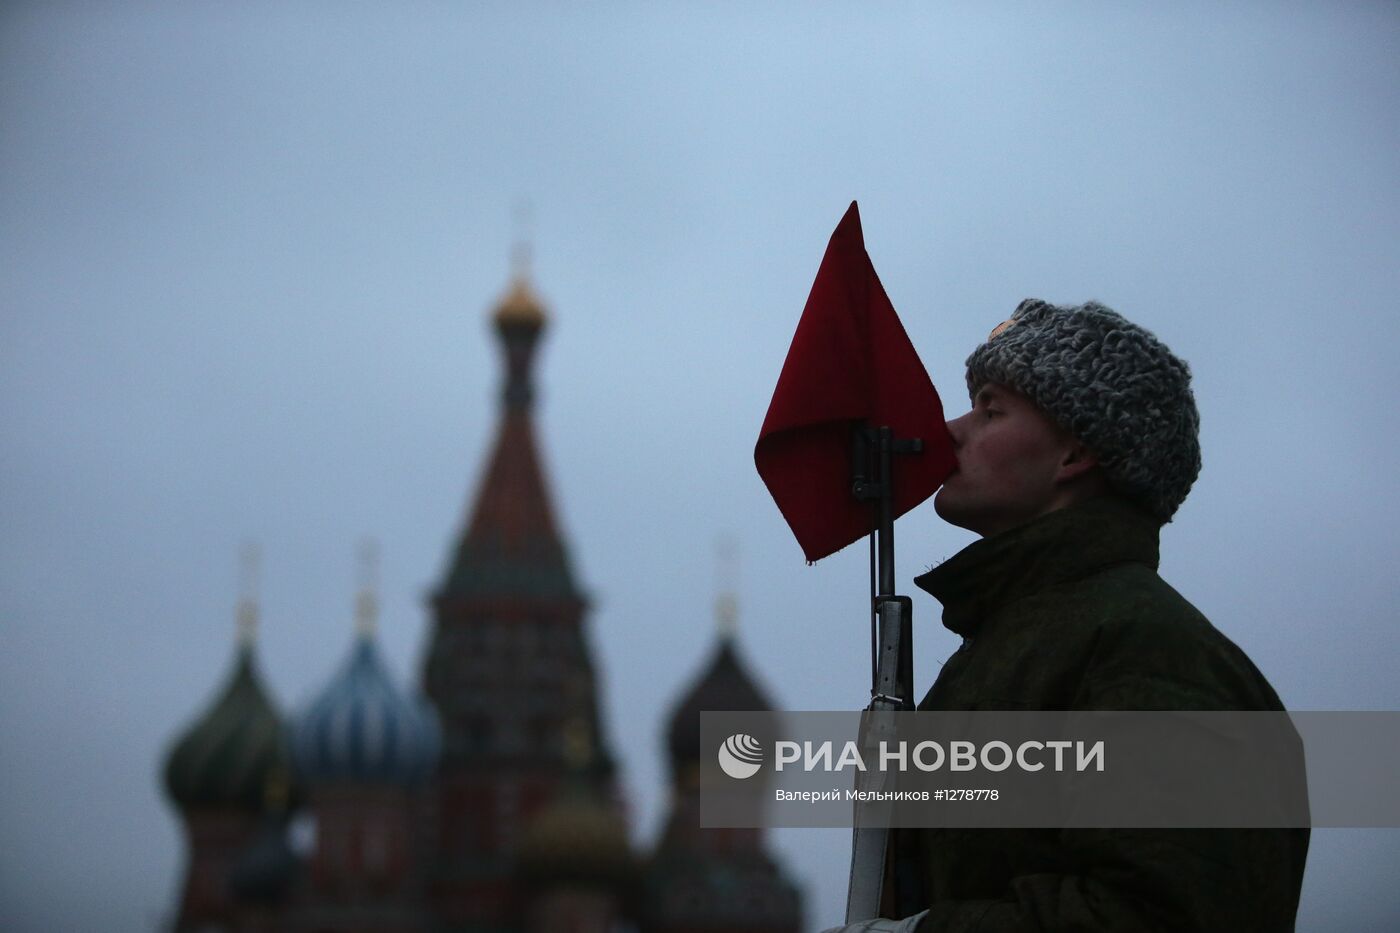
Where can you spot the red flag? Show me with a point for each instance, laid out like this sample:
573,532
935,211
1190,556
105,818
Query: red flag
850,360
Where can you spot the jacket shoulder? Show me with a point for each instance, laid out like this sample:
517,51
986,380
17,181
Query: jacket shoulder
1151,649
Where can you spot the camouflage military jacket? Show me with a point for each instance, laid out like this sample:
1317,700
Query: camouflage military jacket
1068,612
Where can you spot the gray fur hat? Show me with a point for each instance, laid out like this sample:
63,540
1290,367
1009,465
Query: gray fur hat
1111,384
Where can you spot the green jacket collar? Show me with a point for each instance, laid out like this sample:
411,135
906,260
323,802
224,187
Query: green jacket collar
1057,547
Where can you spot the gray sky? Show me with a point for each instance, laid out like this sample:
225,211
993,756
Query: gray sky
246,256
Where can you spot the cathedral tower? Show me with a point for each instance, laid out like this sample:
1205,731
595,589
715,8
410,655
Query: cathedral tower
508,667
221,773
713,880
364,750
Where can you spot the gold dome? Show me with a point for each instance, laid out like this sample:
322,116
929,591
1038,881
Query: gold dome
521,307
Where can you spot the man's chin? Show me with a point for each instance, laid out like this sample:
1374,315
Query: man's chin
955,510
946,504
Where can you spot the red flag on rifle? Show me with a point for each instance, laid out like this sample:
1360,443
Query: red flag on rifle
850,361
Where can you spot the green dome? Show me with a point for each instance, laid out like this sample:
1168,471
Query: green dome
235,752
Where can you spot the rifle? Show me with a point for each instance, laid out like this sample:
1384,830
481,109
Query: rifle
851,363
891,674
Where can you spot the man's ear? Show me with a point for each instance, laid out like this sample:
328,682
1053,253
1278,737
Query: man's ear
1077,461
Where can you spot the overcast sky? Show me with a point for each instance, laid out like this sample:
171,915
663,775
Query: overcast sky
247,254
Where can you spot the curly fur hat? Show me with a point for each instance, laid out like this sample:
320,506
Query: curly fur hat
1111,384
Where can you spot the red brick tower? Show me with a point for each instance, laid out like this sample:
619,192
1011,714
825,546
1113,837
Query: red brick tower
575,866
508,666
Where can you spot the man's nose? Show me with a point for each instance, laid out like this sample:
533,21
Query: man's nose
956,428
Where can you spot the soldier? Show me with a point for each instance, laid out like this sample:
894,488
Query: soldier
1081,443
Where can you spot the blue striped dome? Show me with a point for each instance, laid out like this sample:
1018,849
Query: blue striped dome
363,729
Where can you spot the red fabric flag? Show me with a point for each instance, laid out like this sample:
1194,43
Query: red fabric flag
850,361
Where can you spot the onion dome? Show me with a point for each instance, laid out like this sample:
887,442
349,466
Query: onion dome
725,684
362,728
578,838
520,307
236,748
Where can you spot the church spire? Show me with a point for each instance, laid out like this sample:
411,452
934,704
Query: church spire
509,667
727,587
248,567
519,318
512,546
366,600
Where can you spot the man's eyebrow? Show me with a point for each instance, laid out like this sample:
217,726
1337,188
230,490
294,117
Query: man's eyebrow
988,393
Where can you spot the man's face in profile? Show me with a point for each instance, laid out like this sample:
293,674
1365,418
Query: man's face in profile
1010,463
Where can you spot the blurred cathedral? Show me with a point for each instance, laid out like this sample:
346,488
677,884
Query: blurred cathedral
490,804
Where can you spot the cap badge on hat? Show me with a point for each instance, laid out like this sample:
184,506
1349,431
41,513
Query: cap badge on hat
1000,328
